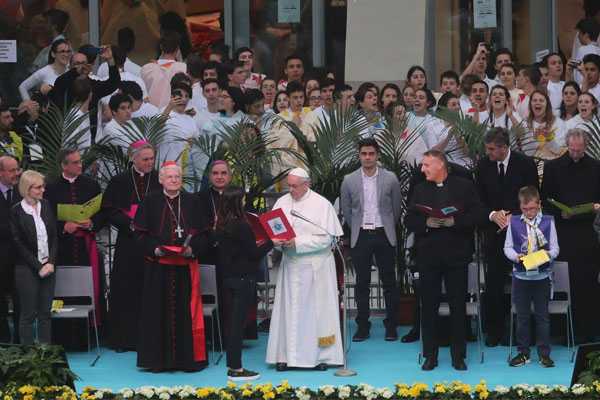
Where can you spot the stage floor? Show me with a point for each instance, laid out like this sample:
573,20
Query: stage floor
376,362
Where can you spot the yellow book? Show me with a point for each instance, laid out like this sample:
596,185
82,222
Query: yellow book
79,212
535,259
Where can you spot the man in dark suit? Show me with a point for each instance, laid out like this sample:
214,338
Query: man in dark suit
443,252
9,179
499,177
371,201
573,179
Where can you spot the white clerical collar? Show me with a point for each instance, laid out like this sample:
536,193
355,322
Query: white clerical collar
169,196
301,199
71,180
136,170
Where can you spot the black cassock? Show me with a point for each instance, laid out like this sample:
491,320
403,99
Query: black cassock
124,191
572,184
73,250
171,333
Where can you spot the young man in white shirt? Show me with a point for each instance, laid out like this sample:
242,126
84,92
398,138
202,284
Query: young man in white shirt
138,107
528,80
590,69
555,66
194,71
503,56
327,89
479,95
120,107
449,82
236,73
293,70
210,92
588,30
478,65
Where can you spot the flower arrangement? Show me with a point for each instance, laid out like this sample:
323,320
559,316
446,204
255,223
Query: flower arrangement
284,391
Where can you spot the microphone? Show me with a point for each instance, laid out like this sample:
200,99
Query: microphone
302,217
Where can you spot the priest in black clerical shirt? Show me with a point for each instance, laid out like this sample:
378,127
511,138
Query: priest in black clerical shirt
121,199
171,333
76,240
574,179
443,252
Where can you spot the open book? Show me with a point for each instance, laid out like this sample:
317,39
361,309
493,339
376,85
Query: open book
575,210
440,212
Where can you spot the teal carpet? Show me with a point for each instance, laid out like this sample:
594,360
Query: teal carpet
376,362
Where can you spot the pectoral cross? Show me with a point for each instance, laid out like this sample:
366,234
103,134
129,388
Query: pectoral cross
179,231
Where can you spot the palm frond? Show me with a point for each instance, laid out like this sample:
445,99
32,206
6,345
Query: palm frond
593,128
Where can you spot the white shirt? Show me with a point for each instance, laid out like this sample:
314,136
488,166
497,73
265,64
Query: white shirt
44,76
371,217
465,103
203,116
129,66
505,163
145,110
583,51
179,126
40,229
555,93
596,92
437,131
126,76
503,121
577,122
198,101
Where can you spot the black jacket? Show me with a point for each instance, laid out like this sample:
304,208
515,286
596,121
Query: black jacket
24,235
450,246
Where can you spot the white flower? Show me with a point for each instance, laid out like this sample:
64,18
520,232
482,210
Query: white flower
578,389
164,396
343,392
561,388
126,393
385,392
98,394
327,389
501,389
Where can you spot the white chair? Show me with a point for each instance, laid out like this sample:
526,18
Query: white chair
208,287
77,281
473,306
560,275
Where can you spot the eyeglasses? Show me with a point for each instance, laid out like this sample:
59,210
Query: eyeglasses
224,97
529,209
297,186
313,98
39,187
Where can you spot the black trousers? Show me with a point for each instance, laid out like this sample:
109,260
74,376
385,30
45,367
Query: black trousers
239,294
496,302
455,278
367,245
8,287
36,296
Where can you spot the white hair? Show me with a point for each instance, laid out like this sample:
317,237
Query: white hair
162,169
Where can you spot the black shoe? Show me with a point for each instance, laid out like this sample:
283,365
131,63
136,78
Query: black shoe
281,367
321,367
519,360
411,336
391,335
361,335
491,341
459,365
243,375
429,364
471,337
546,362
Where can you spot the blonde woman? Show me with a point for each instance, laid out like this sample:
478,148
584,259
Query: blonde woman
33,232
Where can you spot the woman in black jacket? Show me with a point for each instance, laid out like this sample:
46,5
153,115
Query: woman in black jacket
33,232
239,254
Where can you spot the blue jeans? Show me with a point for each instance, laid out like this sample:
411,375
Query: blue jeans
539,292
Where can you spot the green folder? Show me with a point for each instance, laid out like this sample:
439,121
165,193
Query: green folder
79,212
579,209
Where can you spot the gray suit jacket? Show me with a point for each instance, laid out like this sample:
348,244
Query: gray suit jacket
389,199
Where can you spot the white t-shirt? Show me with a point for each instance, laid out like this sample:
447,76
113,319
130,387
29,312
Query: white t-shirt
503,121
583,51
437,132
596,92
178,126
198,101
577,122
550,149
129,66
202,117
555,93
146,110
44,76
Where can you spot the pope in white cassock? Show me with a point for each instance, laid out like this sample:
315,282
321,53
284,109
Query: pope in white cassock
305,324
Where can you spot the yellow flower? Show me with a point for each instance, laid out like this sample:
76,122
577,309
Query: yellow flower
28,397
7,397
231,385
247,392
403,392
285,384
200,393
279,389
484,394
268,395
440,389
88,389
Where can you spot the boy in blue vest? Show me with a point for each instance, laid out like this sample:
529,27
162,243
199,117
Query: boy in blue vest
527,233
